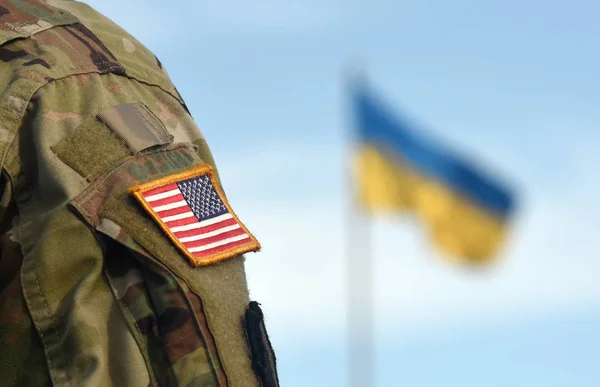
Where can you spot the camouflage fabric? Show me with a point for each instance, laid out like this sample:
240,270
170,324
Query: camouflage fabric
92,293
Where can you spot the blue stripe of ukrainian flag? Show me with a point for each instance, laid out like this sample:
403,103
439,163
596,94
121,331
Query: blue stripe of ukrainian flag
465,211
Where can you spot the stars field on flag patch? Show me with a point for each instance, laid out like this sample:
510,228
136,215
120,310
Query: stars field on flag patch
191,209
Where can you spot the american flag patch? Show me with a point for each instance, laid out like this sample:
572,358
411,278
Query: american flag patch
192,210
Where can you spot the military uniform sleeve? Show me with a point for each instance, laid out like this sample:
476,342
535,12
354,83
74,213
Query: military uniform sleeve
122,260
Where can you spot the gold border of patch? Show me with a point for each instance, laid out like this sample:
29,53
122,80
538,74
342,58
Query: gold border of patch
202,170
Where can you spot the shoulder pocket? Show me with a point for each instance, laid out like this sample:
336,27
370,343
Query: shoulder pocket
109,206
166,317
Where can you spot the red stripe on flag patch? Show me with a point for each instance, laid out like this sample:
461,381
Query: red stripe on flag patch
229,245
182,221
166,201
197,243
162,189
192,210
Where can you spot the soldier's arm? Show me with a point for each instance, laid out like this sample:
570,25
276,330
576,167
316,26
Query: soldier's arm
121,259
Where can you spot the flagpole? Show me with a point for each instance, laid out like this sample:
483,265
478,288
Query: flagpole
359,274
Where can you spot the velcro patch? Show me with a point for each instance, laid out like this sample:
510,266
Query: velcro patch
192,210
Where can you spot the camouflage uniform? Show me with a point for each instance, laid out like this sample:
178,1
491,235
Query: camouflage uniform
92,292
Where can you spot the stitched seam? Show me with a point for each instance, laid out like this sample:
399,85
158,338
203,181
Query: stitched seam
123,307
88,196
54,328
201,332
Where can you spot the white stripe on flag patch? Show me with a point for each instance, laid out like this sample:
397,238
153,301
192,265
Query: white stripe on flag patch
163,195
170,206
219,243
209,234
171,218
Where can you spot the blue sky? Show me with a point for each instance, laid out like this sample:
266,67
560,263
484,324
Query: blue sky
513,84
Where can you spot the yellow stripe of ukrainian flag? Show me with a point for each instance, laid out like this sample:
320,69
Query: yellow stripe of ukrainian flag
465,212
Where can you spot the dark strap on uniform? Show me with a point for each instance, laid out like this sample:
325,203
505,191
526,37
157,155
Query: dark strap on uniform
263,357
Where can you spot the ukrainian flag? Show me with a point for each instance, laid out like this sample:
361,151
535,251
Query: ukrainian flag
398,170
